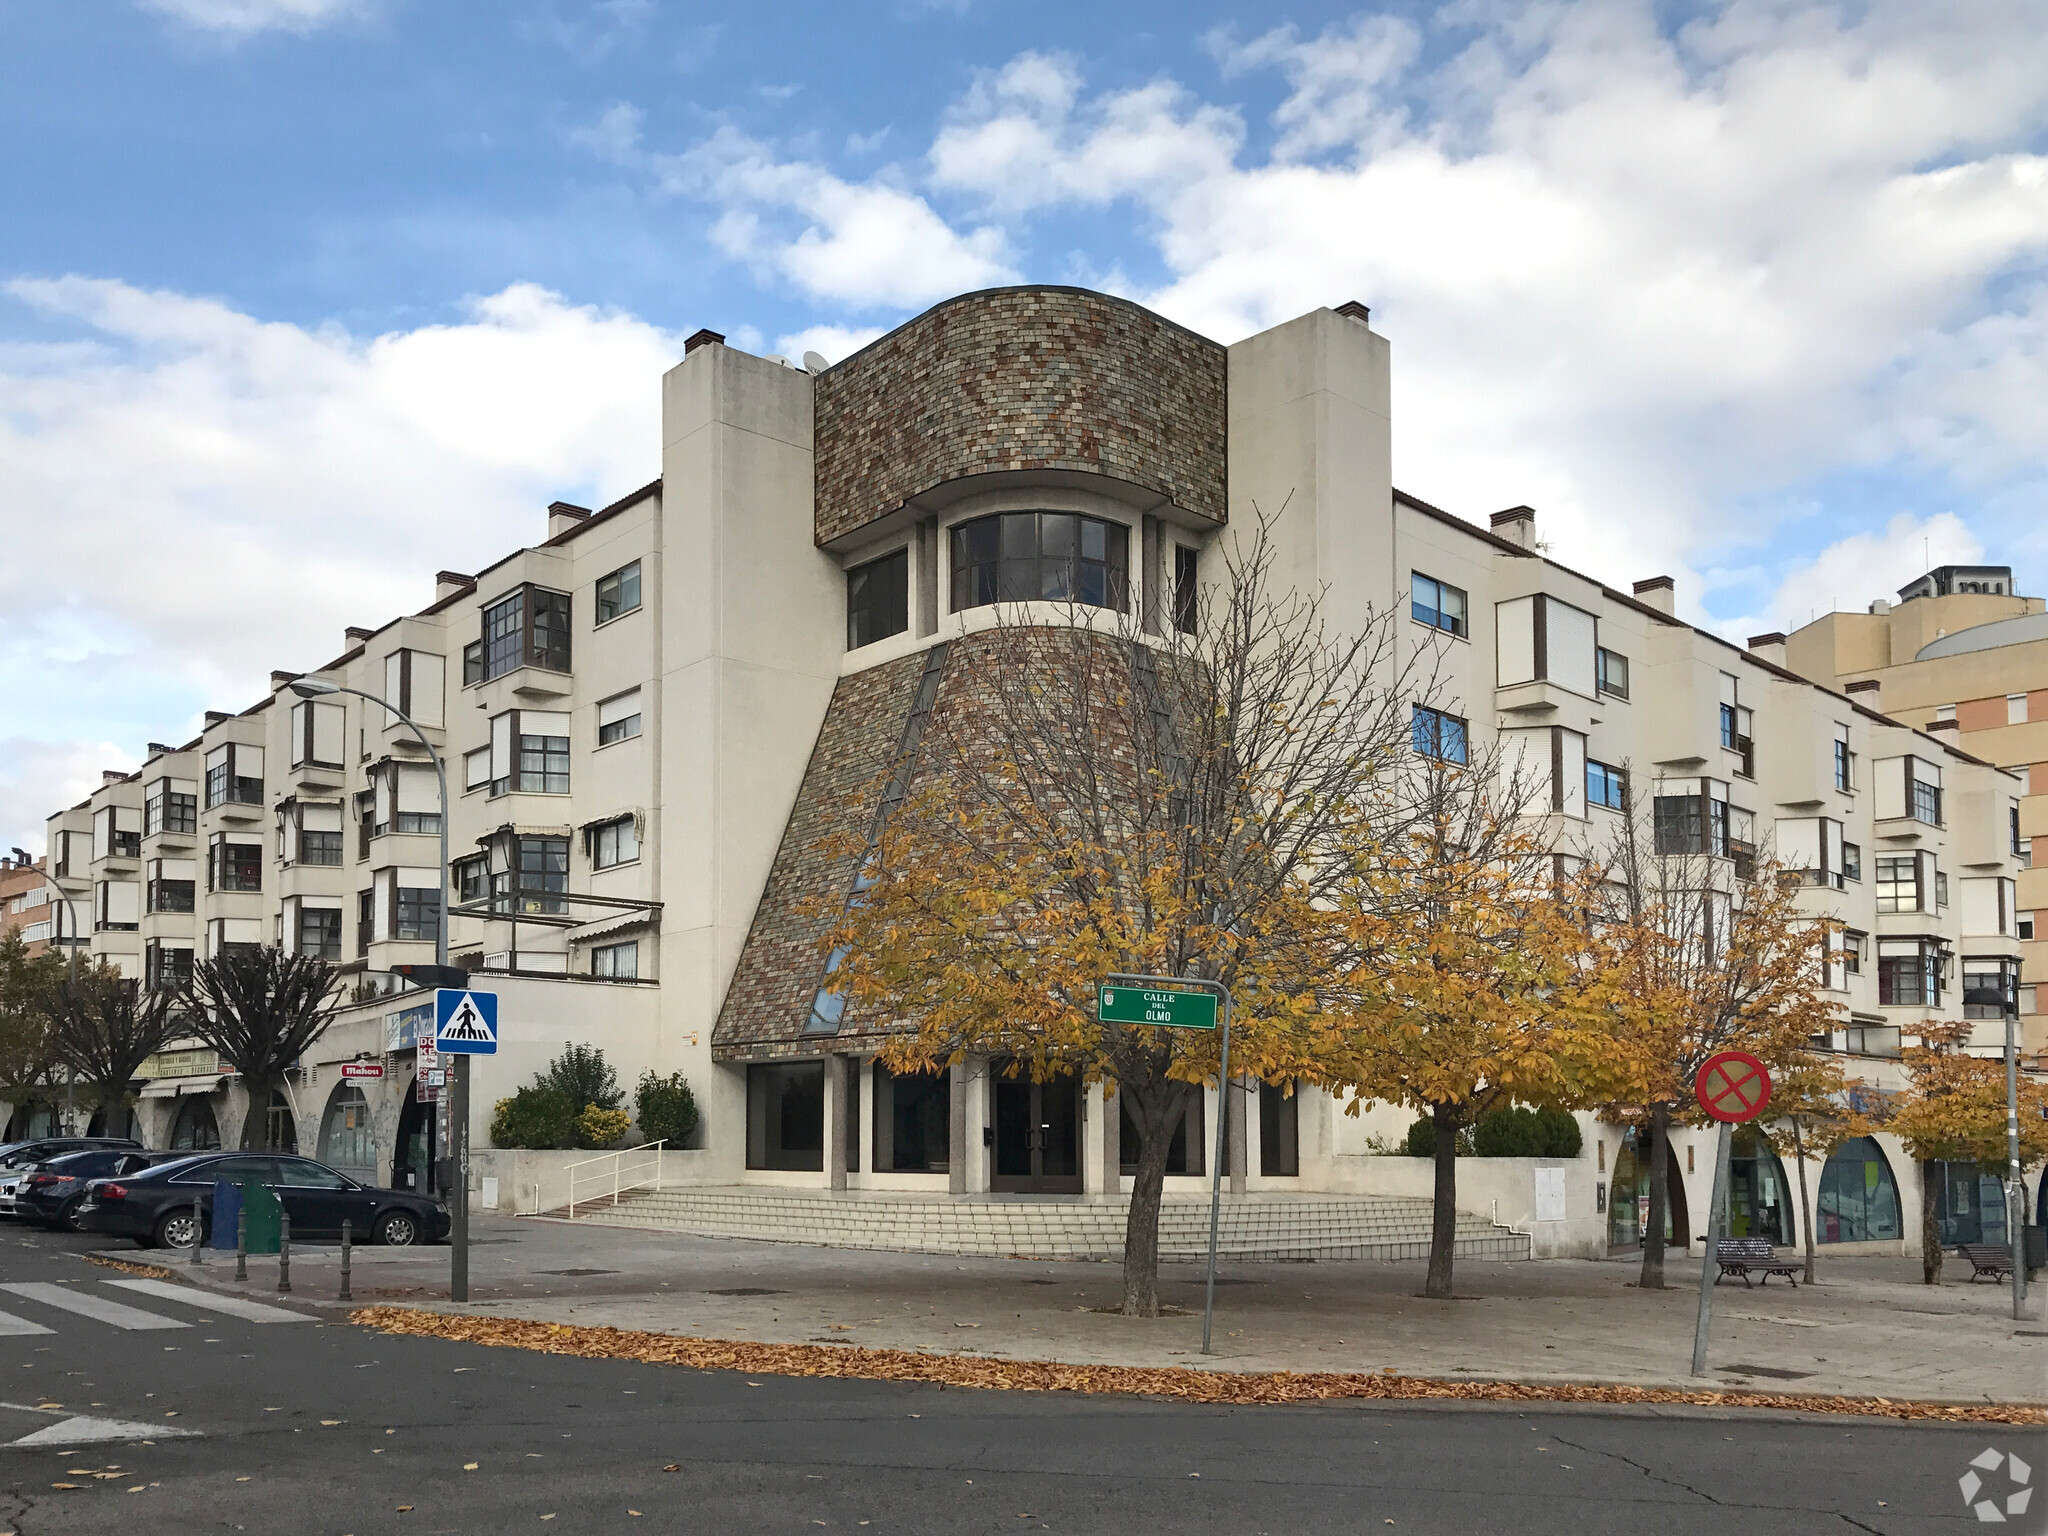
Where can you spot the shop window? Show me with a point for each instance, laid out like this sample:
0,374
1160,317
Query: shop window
194,1129
786,1116
1185,1153
913,1121
346,1139
1759,1199
1061,557
878,599
1859,1202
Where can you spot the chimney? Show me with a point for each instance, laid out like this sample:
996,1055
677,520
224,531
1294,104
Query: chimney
354,636
564,515
1770,647
215,716
284,679
448,583
1863,691
1881,606
1518,526
1658,592
1353,310
158,749
111,776
702,339
1942,725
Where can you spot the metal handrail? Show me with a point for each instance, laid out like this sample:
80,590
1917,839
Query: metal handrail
619,1181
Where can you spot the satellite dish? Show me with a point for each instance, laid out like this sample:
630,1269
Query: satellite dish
813,363
777,357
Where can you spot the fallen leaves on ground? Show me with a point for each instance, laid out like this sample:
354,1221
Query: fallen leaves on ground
149,1271
1235,1387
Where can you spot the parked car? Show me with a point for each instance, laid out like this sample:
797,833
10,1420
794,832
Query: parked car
155,1206
17,1157
53,1189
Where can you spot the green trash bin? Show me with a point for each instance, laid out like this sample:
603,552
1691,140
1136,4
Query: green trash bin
265,1216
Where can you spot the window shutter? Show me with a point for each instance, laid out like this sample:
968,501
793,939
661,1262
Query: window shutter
612,711
504,744
476,768
418,793
543,722
320,816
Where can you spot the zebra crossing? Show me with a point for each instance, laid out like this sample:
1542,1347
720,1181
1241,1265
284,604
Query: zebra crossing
85,1300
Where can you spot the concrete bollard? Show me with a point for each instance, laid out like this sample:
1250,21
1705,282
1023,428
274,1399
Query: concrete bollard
242,1243
198,1230
345,1236
284,1253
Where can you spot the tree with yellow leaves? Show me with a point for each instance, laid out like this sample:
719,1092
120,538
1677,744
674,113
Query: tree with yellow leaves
1953,1111
1702,955
1098,795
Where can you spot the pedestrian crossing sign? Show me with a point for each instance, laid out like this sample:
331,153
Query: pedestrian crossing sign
465,1022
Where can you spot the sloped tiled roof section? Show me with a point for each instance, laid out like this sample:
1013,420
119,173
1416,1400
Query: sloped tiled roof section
1027,378
779,967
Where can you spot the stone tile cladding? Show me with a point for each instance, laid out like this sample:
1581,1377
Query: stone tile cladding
1021,378
770,996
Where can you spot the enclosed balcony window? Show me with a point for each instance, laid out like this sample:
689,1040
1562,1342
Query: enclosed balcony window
525,628
1062,557
878,599
1898,882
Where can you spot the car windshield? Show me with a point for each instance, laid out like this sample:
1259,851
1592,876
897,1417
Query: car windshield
81,1162
21,1156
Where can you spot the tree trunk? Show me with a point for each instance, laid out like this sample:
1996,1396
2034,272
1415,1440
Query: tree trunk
256,1122
1805,1200
1930,1225
1652,1276
1443,1225
1155,1121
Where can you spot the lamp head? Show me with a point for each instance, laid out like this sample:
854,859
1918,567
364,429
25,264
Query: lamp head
313,688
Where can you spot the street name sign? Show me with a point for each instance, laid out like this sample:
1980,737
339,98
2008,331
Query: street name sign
465,1022
1116,1003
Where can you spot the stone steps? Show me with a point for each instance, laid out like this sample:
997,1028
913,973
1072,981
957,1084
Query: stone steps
1250,1228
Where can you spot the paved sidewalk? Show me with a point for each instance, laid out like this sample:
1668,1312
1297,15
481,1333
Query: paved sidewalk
1868,1329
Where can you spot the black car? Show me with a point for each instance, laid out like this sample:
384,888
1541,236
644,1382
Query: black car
17,1157
53,1189
155,1206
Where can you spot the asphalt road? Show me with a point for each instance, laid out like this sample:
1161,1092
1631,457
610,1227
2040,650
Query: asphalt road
316,1426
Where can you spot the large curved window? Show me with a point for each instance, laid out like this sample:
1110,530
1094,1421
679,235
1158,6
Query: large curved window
1060,557
1859,1203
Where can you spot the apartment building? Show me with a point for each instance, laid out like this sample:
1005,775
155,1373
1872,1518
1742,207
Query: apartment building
649,717
28,902
1962,655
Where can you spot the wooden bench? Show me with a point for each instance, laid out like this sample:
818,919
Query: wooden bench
1742,1256
1993,1259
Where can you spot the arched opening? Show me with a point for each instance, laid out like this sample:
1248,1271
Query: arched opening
1969,1205
1628,1200
1859,1201
32,1121
282,1126
1759,1199
117,1121
346,1142
194,1128
412,1161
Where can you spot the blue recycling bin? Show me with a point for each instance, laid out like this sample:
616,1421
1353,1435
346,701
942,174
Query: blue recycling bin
265,1228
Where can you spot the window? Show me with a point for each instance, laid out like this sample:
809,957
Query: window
878,599
2012,824
117,833
1845,760
1898,882
1679,824
233,866
1926,792
472,663
1909,973
415,913
1606,785
171,885
1728,726
1852,861
1437,604
618,962
786,1115
413,682
1439,735
539,877
913,1121
320,932
234,775
170,805
316,734
2025,929
618,719
1853,942
471,877
476,769
618,593
1186,592
527,628
613,842
1940,888
1990,974
366,822
366,920
118,904
1016,557
1611,672
1858,1201
166,967
543,765
319,828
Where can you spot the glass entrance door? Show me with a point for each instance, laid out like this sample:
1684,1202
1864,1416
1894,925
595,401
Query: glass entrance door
1037,1135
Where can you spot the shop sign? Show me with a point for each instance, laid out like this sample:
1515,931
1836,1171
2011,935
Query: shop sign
359,1070
405,1029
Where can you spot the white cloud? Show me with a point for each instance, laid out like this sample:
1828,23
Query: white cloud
834,343
865,243
1850,572
238,18
615,136
214,496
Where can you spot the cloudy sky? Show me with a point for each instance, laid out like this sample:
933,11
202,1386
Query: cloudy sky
302,300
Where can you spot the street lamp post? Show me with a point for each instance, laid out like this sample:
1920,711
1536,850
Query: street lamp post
2006,997
458,1108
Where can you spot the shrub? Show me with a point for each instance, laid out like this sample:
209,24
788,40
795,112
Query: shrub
583,1077
665,1108
598,1127
1421,1141
1517,1131
1561,1135
536,1117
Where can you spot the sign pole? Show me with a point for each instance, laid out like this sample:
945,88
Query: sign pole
1216,1174
458,1212
1717,1219
2015,1184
